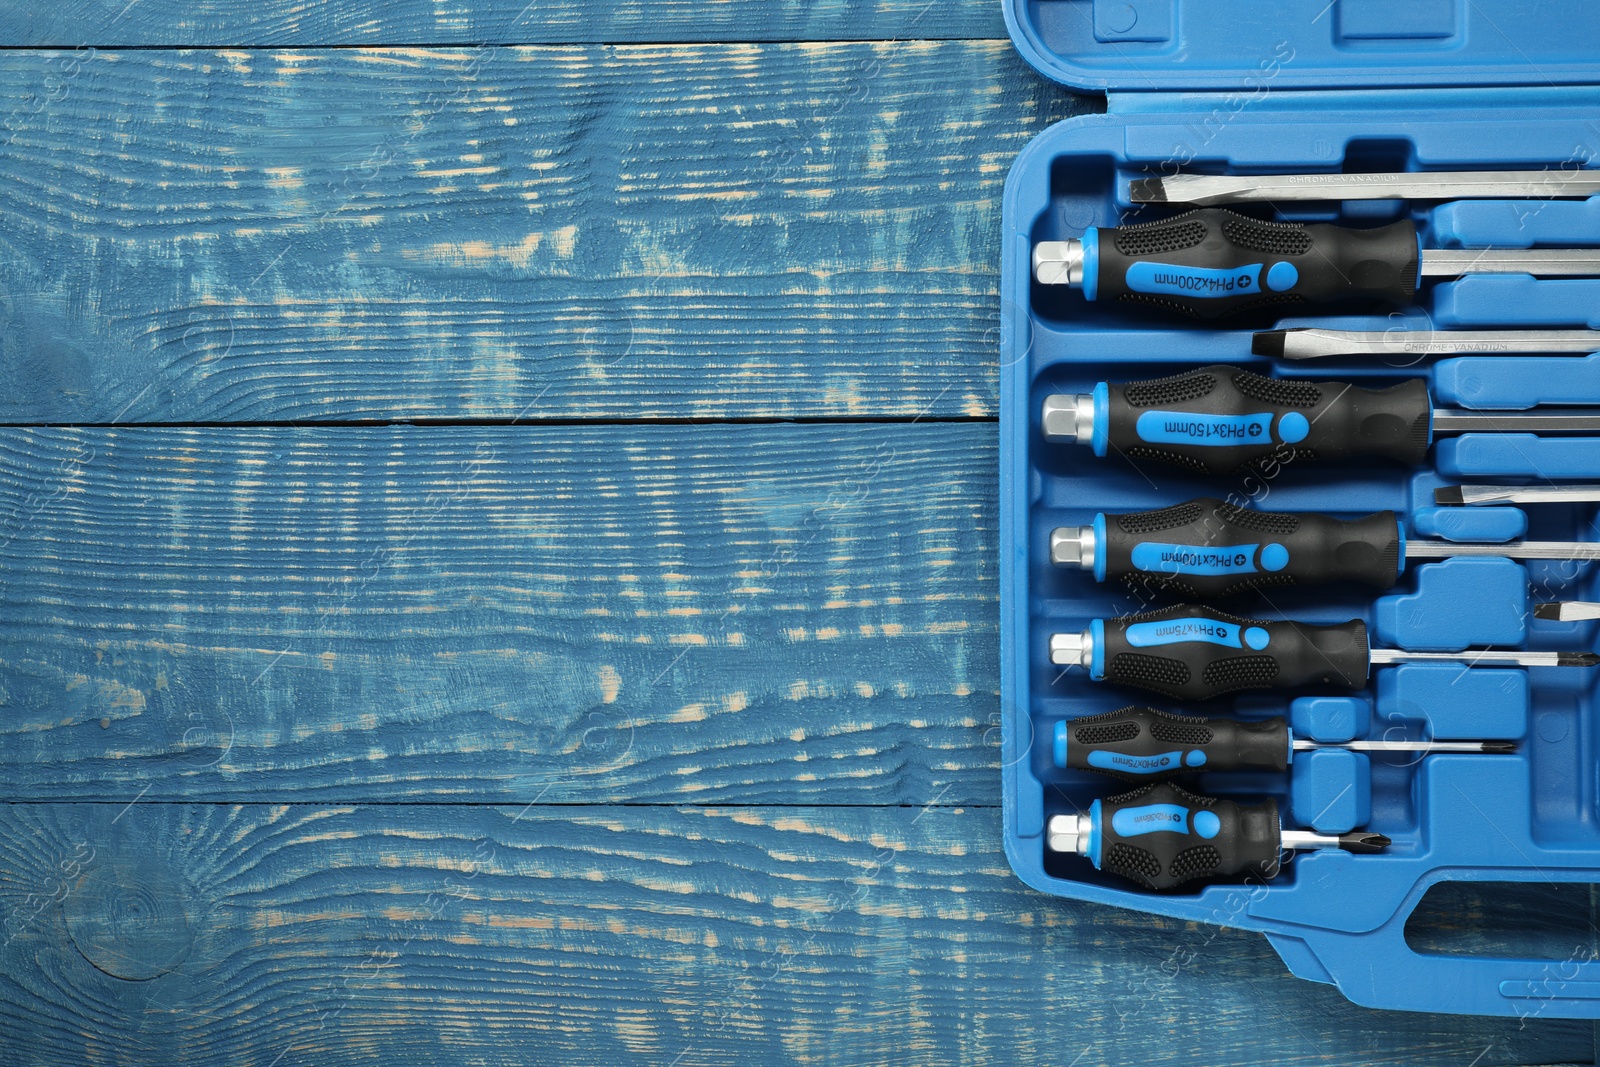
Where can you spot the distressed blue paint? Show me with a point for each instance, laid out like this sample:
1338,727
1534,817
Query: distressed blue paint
233,23
705,936
638,614
577,231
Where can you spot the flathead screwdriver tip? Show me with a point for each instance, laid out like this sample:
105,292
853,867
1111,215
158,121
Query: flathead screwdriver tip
1269,343
1548,610
1448,496
1147,191
1363,842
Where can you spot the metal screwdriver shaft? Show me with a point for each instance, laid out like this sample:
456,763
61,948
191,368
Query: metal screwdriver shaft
1163,836
1209,189
1195,653
1567,611
1148,745
1482,495
1222,418
1313,343
1206,548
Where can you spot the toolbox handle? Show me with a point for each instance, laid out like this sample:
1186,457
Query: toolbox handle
1379,968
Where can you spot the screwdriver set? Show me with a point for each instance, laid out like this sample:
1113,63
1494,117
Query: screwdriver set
1300,477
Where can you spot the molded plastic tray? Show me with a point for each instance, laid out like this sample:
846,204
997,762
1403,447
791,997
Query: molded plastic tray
1531,816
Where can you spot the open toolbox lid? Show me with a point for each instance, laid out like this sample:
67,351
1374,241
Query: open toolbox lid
1164,45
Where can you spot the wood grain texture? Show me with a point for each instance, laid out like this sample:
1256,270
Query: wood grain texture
704,937
639,232
234,23
583,615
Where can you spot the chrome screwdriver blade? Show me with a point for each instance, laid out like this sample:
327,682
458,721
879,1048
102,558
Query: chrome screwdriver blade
1313,343
1567,611
1481,495
1205,190
1539,262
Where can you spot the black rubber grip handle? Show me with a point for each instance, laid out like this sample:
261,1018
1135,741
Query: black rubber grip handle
1146,745
1195,653
1163,836
1207,548
1213,262
1220,419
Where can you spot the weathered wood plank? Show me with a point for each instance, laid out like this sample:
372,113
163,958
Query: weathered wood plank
240,935
234,23
584,614
653,231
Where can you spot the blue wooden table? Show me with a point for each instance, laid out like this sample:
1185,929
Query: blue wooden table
497,555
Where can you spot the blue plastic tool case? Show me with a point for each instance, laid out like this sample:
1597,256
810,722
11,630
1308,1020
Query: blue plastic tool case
1273,86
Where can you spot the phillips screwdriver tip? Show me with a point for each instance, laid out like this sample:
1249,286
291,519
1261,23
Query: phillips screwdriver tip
1578,659
1448,496
1269,343
1363,842
1500,748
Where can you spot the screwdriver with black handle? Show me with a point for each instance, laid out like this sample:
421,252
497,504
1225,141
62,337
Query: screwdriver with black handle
1163,836
1206,548
1221,419
1195,653
1214,262
1138,744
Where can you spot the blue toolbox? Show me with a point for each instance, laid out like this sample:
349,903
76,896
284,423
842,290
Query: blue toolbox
1300,472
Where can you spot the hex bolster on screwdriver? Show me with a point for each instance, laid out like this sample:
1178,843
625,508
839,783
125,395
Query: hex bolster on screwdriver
1163,836
1220,419
1189,652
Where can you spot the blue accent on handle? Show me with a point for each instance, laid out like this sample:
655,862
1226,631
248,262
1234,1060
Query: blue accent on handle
1091,263
1274,557
1293,428
1136,764
1400,564
1289,740
1207,824
1091,840
1101,429
1187,428
1100,547
1151,819
1184,631
1257,638
1195,758
1161,557
1058,743
1282,277
1171,279
1097,651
